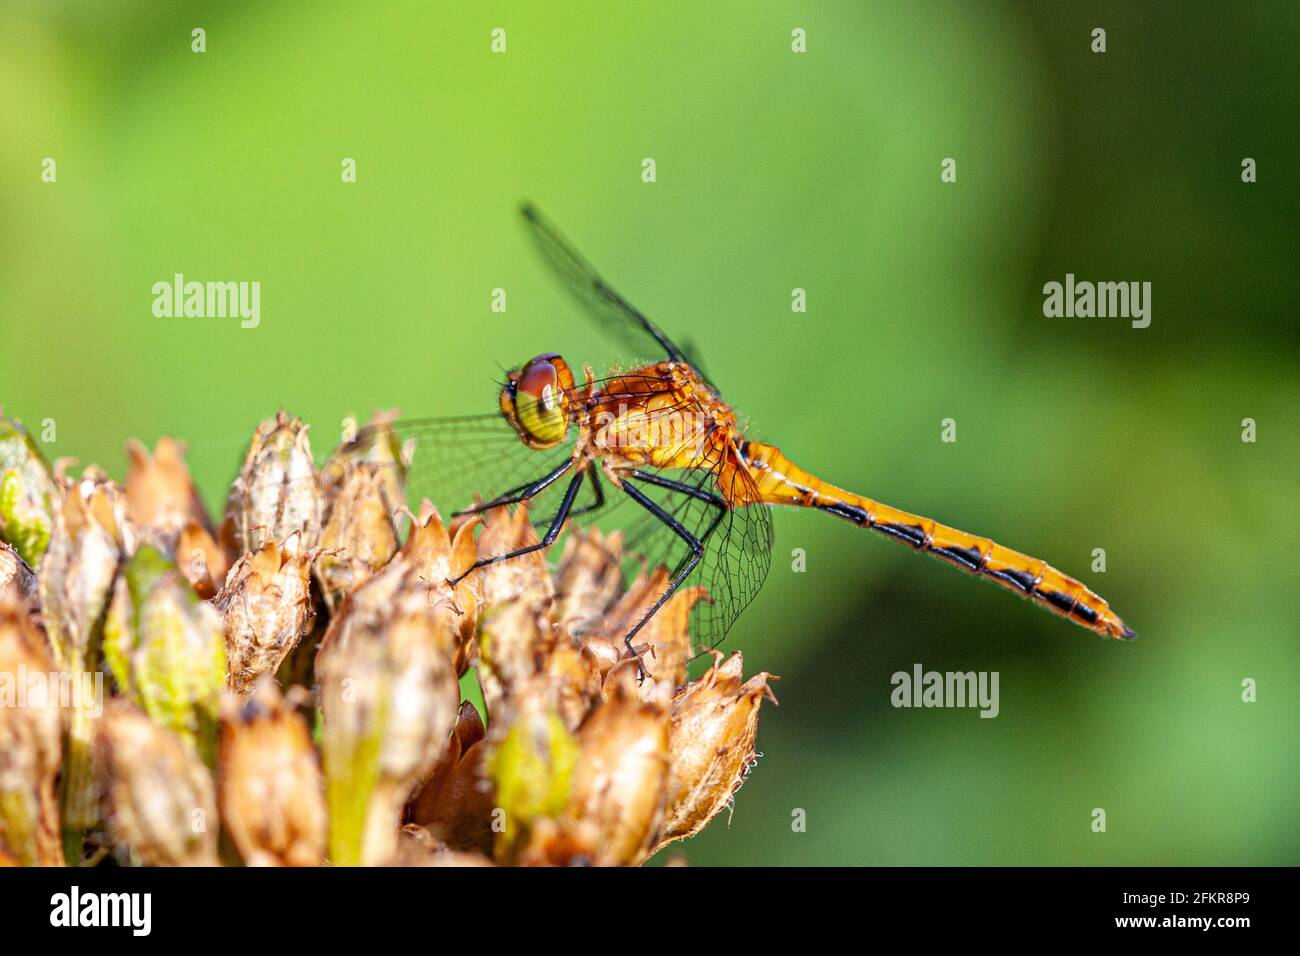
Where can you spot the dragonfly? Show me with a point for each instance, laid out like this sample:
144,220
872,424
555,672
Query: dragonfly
656,445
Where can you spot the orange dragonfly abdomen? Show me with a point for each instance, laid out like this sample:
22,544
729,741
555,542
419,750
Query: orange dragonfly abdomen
781,482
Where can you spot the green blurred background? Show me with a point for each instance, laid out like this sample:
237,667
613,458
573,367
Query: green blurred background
774,170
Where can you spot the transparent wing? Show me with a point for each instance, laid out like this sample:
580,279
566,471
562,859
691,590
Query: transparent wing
465,462
737,541
601,302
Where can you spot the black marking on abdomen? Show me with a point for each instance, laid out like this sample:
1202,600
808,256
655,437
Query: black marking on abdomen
968,558
1019,579
1062,602
913,534
849,512
1085,614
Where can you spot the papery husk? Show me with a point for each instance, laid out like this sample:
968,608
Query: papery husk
161,499
664,641
378,450
455,804
202,559
517,630
277,492
31,731
360,534
159,798
266,608
615,801
588,578
389,689
272,795
90,537
711,745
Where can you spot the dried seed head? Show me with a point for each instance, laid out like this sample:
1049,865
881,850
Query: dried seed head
517,632
389,688
266,609
160,496
589,578
616,802
664,642
30,738
522,578
165,649
575,680
16,579
414,582
159,795
90,537
201,560
377,447
455,805
28,493
360,535
531,762
714,727
277,491
271,793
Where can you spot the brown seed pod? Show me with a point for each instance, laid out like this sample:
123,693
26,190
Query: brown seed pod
616,798
91,537
517,631
159,796
664,642
271,793
266,608
160,496
360,535
711,745
588,579
31,728
455,804
389,688
277,491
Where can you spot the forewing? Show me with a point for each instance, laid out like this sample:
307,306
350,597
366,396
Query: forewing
601,302
462,463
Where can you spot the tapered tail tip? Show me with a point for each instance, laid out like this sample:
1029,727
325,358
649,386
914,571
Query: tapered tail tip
1128,634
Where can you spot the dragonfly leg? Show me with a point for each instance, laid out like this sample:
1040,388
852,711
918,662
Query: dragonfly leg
548,539
682,487
599,489
695,544
521,493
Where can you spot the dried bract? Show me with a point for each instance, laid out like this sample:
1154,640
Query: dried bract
271,794
159,795
31,727
277,492
266,608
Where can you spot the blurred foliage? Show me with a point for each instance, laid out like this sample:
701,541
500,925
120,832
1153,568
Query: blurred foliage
775,170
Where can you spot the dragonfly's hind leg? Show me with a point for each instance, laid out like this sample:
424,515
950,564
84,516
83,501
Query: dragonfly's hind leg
548,539
695,544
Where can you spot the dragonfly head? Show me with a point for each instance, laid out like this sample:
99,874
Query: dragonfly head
535,401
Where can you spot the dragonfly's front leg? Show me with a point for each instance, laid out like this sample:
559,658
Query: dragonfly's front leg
552,532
